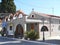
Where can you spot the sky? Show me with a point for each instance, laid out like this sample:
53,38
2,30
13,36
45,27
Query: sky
42,6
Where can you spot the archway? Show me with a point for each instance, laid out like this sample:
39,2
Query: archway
19,31
44,28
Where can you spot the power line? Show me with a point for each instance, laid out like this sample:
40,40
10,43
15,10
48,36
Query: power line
35,6
31,5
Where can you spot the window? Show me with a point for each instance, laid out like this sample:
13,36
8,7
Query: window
35,23
51,21
20,16
59,21
33,16
59,28
10,27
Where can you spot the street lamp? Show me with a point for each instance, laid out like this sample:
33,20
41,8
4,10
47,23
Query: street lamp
44,28
50,25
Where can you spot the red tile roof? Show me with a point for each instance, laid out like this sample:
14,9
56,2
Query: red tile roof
47,15
17,14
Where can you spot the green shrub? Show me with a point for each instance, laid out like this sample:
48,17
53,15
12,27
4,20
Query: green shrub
32,35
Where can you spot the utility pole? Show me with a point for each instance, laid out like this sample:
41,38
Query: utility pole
53,11
50,20
50,25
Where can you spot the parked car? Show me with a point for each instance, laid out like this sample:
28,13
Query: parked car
4,32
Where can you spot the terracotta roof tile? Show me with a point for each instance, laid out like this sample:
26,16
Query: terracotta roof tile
47,15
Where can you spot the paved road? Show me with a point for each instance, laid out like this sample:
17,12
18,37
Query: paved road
54,41
12,41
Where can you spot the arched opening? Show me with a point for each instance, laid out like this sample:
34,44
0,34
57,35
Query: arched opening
19,31
44,28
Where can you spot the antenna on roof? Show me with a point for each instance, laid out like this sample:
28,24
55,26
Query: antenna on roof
53,11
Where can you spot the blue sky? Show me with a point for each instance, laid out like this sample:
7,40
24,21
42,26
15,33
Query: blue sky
42,6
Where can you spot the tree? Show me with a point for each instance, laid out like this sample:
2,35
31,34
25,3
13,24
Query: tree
3,6
0,6
7,6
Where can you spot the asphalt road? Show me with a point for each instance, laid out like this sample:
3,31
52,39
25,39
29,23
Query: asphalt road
12,41
54,41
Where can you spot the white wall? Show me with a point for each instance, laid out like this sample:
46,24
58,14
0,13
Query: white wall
15,22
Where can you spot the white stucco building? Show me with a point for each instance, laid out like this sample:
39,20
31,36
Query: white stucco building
21,23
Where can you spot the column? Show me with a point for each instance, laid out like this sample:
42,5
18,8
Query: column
25,27
39,30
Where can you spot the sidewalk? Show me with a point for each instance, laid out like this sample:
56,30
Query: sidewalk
53,37
50,38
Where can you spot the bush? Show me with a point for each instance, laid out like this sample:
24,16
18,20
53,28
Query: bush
32,35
